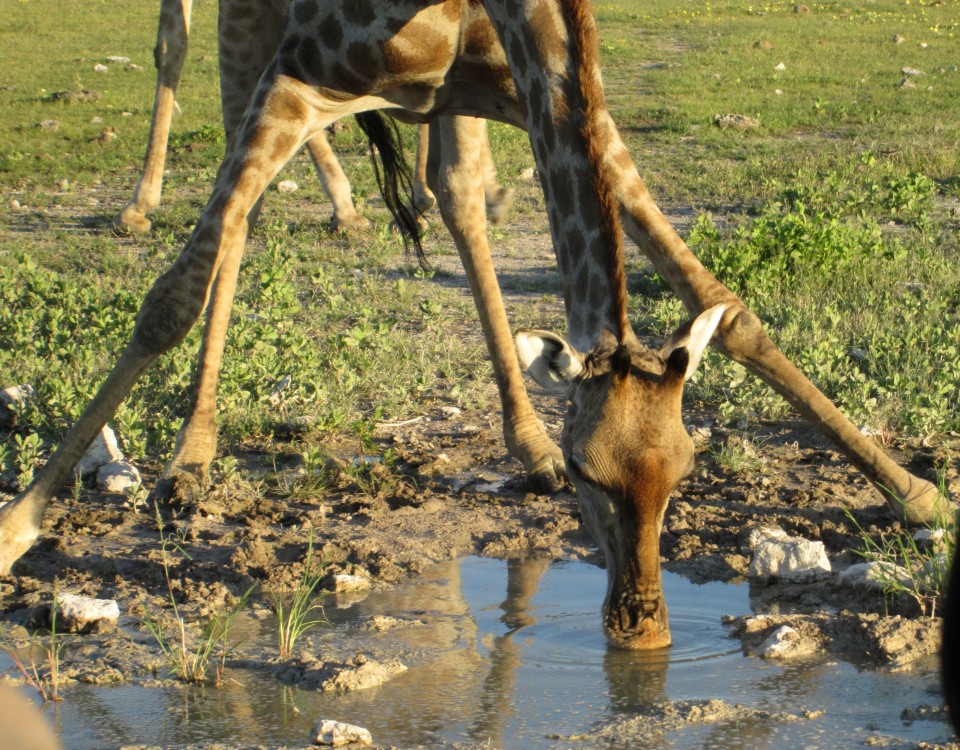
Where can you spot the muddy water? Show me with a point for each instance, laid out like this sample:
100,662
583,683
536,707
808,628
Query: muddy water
511,654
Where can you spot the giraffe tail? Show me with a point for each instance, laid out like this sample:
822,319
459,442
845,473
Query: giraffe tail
394,177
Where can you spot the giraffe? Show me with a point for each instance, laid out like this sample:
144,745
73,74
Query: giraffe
531,63
244,54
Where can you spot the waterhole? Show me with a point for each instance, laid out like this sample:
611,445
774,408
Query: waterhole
511,655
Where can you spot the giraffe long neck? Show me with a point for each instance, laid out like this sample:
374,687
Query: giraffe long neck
553,55
585,52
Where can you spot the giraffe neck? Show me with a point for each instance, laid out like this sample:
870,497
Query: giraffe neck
553,55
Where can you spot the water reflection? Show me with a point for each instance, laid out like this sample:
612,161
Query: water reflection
509,653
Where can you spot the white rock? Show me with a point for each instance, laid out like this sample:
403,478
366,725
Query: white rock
118,59
100,68
12,398
343,582
102,450
287,186
335,733
778,555
782,643
84,614
527,175
872,575
780,66
117,477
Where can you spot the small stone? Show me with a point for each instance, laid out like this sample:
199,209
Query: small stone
776,555
287,186
781,643
450,411
344,582
763,44
528,175
133,68
897,39
735,122
335,733
924,45
79,614
102,450
801,9
64,184
107,135
778,92
911,72
15,205
906,83
873,576
780,66
100,68
13,397
117,477
49,125
118,60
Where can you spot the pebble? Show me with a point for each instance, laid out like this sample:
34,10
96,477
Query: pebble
117,477
735,122
343,582
776,555
15,396
336,734
102,450
287,186
100,68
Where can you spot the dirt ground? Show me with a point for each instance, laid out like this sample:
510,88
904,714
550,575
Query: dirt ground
454,492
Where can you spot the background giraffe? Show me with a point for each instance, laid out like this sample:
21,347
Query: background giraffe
245,50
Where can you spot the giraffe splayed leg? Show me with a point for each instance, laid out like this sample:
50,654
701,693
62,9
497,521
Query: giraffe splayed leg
536,66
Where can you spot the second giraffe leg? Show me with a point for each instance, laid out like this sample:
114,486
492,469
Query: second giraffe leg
499,199
173,33
335,184
460,192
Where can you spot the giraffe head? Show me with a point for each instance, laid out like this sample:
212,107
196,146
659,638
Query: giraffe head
626,449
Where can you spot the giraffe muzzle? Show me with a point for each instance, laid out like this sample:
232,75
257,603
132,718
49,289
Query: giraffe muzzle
637,623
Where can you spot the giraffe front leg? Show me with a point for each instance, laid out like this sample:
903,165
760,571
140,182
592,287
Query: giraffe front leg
460,192
336,185
741,336
277,125
173,33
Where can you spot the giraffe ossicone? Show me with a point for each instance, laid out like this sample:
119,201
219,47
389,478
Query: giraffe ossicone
531,63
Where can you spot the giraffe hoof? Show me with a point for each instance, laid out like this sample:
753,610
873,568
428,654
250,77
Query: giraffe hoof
180,488
548,478
350,224
131,219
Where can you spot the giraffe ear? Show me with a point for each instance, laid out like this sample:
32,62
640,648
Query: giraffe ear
692,337
549,359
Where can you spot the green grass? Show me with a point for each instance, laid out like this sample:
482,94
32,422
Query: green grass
836,219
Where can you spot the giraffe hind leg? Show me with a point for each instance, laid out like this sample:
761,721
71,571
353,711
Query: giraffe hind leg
173,34
460,190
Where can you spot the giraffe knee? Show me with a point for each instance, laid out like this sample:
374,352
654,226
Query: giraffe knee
166,317
741,334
